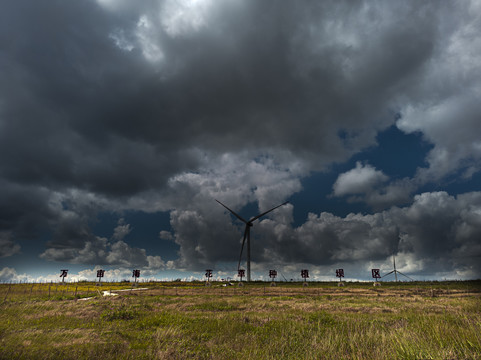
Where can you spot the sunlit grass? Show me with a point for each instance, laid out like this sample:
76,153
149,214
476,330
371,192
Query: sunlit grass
399,321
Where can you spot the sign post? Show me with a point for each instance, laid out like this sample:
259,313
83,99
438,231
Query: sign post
305,275
340,275
208,275
63,275
135,275
273,275
100,275
376,274
241,273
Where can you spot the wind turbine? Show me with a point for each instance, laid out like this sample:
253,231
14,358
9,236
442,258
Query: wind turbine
396,271
247,235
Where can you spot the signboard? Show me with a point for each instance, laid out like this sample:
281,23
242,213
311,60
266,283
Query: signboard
304,274
376,273
135,274
272,274
63,274
241,273
208,274
100,275
340,273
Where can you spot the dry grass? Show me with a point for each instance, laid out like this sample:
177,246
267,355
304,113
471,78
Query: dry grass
405,321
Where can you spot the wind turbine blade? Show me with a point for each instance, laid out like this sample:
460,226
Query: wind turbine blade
268,211
242,247
405,276
236,215
387,273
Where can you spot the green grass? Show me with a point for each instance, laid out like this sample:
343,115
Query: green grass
191,321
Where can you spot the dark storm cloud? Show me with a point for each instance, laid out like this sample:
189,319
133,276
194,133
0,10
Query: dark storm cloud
24,210
162,105
97,116
7,245
69,98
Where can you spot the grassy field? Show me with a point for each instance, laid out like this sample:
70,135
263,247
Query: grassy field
440,320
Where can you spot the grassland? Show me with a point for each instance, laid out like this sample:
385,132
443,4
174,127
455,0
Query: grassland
439,320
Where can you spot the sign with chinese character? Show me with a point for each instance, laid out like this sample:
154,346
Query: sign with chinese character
272,274
208,274
100,275
304,274
340,273
63,274
376,274
241,273
135,274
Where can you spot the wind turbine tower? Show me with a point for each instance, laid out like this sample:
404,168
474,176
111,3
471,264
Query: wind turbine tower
394,263
396,271
247,235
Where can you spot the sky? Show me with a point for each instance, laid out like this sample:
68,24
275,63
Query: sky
122,121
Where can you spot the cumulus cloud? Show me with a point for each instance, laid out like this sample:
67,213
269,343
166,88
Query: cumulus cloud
457,148
435,235
8,274
361,179
202,228
449,111
366,184
166,235
86,248
121,231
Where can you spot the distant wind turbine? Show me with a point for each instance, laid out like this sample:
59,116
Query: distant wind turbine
396,271
247,235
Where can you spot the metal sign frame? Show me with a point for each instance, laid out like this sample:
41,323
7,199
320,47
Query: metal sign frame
272,274
241,273
135,274
305,274
63,274
208,274
340,273
100,274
